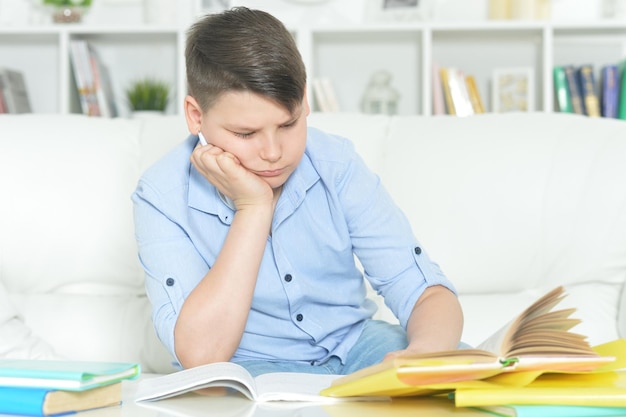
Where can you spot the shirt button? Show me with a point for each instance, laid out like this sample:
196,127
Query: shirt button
288,277
418,250
299,317
169,282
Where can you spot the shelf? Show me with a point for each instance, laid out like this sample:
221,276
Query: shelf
347,54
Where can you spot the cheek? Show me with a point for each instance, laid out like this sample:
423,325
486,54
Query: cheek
246,152
296,143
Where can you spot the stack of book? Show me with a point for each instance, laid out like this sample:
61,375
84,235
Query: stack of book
92,80
51,387
535,366
455,92
578,90
13,92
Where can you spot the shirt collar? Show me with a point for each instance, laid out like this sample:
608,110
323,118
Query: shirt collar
204,196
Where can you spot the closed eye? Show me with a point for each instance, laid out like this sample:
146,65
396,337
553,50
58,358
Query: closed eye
243,135
291,123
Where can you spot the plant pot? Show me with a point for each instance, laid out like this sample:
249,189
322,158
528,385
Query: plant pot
68,14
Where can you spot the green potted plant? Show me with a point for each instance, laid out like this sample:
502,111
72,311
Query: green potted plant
148,95
67,11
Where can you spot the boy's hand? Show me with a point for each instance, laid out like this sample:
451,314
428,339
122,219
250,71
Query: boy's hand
224,171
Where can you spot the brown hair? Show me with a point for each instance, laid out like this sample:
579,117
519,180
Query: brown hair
243,50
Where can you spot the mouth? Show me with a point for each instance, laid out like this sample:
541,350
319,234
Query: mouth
270,173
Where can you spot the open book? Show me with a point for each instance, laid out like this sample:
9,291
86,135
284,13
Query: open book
279,386
537,341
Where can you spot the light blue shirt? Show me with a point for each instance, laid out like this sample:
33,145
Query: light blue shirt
310,299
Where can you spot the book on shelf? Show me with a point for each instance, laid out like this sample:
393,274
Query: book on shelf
64,375
14,91
458,92
447,93
3,106
539,340
587,83
474,95
621,110
609,91
325,96
48,402
278,386
573,85
561,90
102,84
439,104
92,80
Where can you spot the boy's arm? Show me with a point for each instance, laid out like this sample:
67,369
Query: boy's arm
213,317
435,324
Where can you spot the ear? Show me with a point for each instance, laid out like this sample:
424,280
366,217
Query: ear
305,103
193,115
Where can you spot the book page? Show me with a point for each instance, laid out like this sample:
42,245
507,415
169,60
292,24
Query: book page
293,386
538,331
428,367
221,374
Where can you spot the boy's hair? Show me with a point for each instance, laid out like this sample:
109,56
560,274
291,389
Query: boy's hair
243,50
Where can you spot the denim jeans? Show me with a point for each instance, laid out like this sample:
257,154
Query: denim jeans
377,339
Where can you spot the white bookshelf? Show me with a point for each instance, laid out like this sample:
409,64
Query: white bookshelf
347,54
42,54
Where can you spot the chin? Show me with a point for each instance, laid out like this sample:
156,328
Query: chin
276,182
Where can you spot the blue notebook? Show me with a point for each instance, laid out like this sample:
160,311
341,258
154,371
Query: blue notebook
65,375
45,402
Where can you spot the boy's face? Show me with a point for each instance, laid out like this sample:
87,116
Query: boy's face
267,139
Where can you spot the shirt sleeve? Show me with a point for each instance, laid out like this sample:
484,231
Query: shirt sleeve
171,262
395,263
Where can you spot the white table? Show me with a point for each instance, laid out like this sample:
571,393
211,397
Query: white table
233,405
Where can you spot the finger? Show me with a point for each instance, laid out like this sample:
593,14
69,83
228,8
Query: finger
228,163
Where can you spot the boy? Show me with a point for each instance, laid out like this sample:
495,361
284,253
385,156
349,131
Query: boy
248,242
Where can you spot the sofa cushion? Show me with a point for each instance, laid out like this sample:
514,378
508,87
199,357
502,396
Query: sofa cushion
511,215
67,218
68,257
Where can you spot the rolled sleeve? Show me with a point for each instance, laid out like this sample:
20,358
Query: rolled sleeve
394,261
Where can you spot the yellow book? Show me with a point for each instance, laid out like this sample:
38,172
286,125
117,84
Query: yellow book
474,95
539,340
588,91
589,396
447,94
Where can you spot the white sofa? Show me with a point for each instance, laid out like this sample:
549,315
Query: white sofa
510,206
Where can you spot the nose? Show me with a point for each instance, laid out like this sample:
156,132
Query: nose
271,148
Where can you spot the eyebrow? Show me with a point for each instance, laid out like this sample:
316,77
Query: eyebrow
292,119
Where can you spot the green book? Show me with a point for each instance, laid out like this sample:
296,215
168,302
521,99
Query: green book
621,110
561,90
65,375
